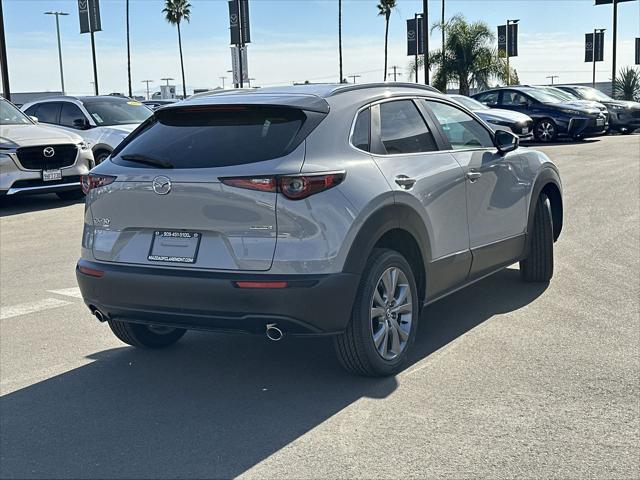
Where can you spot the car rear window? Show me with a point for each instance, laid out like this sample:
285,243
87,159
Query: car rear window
218,136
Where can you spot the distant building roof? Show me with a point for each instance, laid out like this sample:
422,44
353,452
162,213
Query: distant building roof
26,97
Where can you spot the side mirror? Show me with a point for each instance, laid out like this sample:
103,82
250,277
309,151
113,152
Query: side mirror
81,124
506,141
34,119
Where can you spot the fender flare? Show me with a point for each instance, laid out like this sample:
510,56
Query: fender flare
390,217
547,176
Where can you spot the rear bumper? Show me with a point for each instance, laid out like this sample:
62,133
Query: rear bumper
311,304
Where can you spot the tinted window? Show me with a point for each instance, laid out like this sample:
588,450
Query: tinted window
362,131
514,99
402,129
48,112
462,130
201,137
69,114
108,112
10,115
488,98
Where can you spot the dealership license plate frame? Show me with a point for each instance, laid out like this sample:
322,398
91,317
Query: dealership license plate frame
188,240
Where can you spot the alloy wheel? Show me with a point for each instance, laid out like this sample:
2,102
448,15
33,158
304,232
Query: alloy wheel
546,131
391,313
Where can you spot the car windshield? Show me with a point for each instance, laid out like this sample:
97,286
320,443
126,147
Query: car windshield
10,115
593,94
544,96
116,112
470,103
564,96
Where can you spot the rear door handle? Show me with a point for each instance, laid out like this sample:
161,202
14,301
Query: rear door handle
473,175
405,182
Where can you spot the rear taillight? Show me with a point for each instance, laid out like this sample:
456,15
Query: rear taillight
91,181
294,187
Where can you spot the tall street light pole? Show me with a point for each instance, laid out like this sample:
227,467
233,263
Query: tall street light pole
425,32
57,14
4,68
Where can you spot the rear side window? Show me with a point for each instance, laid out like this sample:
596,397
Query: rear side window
402,128
70,114
204,137
488,98
48,112
361,137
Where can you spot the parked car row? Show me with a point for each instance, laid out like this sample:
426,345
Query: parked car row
574,111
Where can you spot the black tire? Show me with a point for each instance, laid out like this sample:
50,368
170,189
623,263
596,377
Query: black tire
355,347
627,131
100,156
545,130
538,266
70,195
144,336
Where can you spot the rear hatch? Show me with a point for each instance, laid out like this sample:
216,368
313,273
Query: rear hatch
167,205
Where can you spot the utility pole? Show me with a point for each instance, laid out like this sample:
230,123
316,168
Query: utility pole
148,82
395,72
57,14
241,46
6,91
425,32
167,80
552,77
615,46
354,77
509,22
340,37
223,79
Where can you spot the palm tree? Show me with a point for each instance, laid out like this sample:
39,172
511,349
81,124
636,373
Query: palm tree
175,12
385,8
340,37
626,85
128,50
468,57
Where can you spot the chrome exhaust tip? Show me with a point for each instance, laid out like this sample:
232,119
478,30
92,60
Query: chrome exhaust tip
99,315
274,333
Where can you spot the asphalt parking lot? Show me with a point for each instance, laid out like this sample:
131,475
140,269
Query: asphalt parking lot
507,379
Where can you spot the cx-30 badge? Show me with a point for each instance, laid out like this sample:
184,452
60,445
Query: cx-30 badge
161,185
48,152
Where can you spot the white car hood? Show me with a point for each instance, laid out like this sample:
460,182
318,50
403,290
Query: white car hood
15,136
121,129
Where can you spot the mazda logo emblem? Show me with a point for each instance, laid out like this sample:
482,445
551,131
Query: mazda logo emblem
161,185
49,152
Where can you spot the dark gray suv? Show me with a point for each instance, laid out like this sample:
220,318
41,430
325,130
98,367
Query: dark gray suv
312,210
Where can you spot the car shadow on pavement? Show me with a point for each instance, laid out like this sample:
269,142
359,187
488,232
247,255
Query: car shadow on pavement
32,203
212,406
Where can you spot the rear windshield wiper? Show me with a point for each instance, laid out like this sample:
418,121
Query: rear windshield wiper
138,158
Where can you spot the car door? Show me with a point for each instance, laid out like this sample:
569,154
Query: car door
406,150
48,112
515,101
496,187
72,118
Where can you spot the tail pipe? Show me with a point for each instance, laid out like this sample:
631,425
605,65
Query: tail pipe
273,332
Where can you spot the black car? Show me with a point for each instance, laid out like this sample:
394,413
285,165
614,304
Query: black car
552,116
624,116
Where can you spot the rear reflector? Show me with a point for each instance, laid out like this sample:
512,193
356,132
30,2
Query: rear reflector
92,272
260,284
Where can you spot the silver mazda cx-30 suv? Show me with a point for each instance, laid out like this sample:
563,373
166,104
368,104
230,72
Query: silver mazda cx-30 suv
313,210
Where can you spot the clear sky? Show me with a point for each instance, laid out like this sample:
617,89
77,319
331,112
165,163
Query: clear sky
292,40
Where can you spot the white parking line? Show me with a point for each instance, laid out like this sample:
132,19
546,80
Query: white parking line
31,307
68,292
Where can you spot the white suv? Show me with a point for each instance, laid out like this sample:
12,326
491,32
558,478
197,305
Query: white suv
102,121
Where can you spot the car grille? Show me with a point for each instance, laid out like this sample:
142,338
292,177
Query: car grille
33,158
635,113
